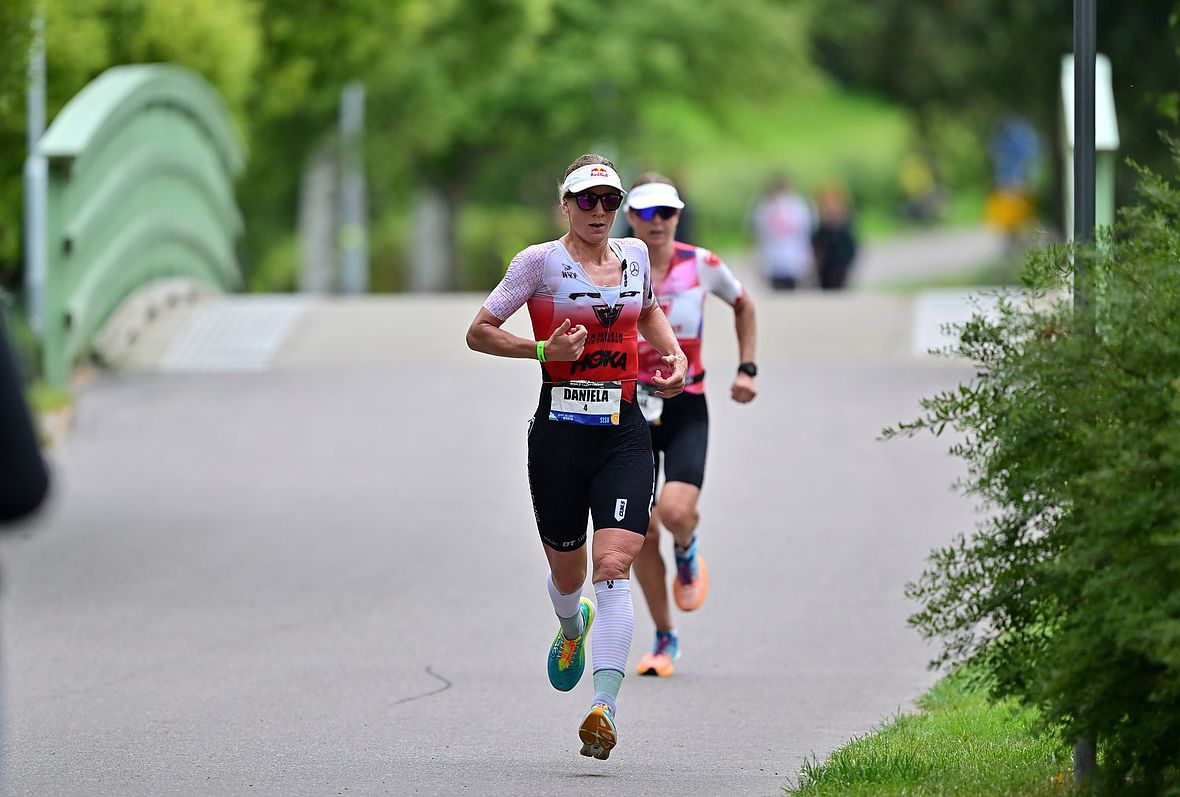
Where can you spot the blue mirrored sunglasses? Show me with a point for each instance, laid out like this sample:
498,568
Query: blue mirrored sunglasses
647,214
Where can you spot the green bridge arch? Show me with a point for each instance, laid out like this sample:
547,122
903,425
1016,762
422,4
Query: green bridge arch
141,169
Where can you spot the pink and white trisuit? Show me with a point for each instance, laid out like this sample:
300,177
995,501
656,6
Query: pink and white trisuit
694,274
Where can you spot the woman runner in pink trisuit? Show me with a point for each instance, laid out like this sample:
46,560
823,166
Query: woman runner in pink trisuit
682,277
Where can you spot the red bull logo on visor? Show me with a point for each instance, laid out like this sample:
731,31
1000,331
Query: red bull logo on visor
598,171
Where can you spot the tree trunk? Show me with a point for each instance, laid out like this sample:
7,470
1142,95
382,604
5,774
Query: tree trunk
431,244
435,263
317,223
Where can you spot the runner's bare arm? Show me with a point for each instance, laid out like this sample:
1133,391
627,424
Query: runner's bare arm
487,336
744,388
656,330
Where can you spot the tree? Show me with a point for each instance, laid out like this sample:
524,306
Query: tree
980,59
582,78
514,89
483,100
16,18
216,38
1068,592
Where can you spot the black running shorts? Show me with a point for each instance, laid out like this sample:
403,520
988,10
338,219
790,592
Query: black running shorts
682,436
600,471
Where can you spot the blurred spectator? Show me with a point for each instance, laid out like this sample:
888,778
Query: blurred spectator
782,230
923,199
24,479
833,241
1014,147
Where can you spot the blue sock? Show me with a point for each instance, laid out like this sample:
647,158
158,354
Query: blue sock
668,642
686,561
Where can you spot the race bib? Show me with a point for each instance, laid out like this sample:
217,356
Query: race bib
651,405
587,403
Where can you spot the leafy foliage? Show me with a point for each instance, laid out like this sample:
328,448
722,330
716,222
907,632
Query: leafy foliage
1069,593
485,101
216,38
980,59
16,18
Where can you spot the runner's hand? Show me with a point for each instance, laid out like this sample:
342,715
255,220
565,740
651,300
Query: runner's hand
744,390
673,385
566,343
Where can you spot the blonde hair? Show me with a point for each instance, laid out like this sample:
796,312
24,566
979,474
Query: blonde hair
652,177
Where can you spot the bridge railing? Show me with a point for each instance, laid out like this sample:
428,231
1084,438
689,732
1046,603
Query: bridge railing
141,169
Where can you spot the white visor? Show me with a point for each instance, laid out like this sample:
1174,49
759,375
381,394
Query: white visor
654,195
590,175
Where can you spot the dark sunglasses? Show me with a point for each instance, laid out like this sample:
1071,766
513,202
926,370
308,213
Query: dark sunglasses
647,214
588,199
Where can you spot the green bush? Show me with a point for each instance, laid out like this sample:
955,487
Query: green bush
1069,592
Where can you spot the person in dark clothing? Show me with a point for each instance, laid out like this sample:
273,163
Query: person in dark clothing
25,479
833,240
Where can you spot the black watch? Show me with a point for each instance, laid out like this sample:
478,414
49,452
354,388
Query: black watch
749,369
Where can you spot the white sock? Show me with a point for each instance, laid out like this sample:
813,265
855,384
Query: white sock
614,624
567,608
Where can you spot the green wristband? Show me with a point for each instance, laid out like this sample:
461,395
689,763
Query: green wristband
541,350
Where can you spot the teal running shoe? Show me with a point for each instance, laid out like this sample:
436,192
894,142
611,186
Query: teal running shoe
567,657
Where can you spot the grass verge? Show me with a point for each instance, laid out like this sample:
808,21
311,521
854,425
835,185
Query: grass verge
43,398
961,744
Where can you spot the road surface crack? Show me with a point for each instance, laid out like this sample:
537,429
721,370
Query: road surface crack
446,685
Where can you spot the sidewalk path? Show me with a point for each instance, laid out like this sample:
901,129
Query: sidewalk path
929,254
321,575
908,258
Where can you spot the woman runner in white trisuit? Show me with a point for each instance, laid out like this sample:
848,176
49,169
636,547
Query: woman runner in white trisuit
588,296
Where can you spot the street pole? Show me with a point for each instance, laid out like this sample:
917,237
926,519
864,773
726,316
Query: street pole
1085,51
1085,48
36,181
353,231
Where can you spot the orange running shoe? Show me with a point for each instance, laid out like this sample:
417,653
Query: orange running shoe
691,584
598,733
659,661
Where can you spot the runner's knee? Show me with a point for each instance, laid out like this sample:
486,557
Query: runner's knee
568,580
613,564
678,515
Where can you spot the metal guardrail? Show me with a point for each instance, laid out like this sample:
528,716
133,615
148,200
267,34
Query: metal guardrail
141,169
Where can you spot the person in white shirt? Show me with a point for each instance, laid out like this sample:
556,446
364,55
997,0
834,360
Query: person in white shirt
782,227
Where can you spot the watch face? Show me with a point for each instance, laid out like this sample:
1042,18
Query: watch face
749,369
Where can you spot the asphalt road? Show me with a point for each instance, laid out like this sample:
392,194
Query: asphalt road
321,576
